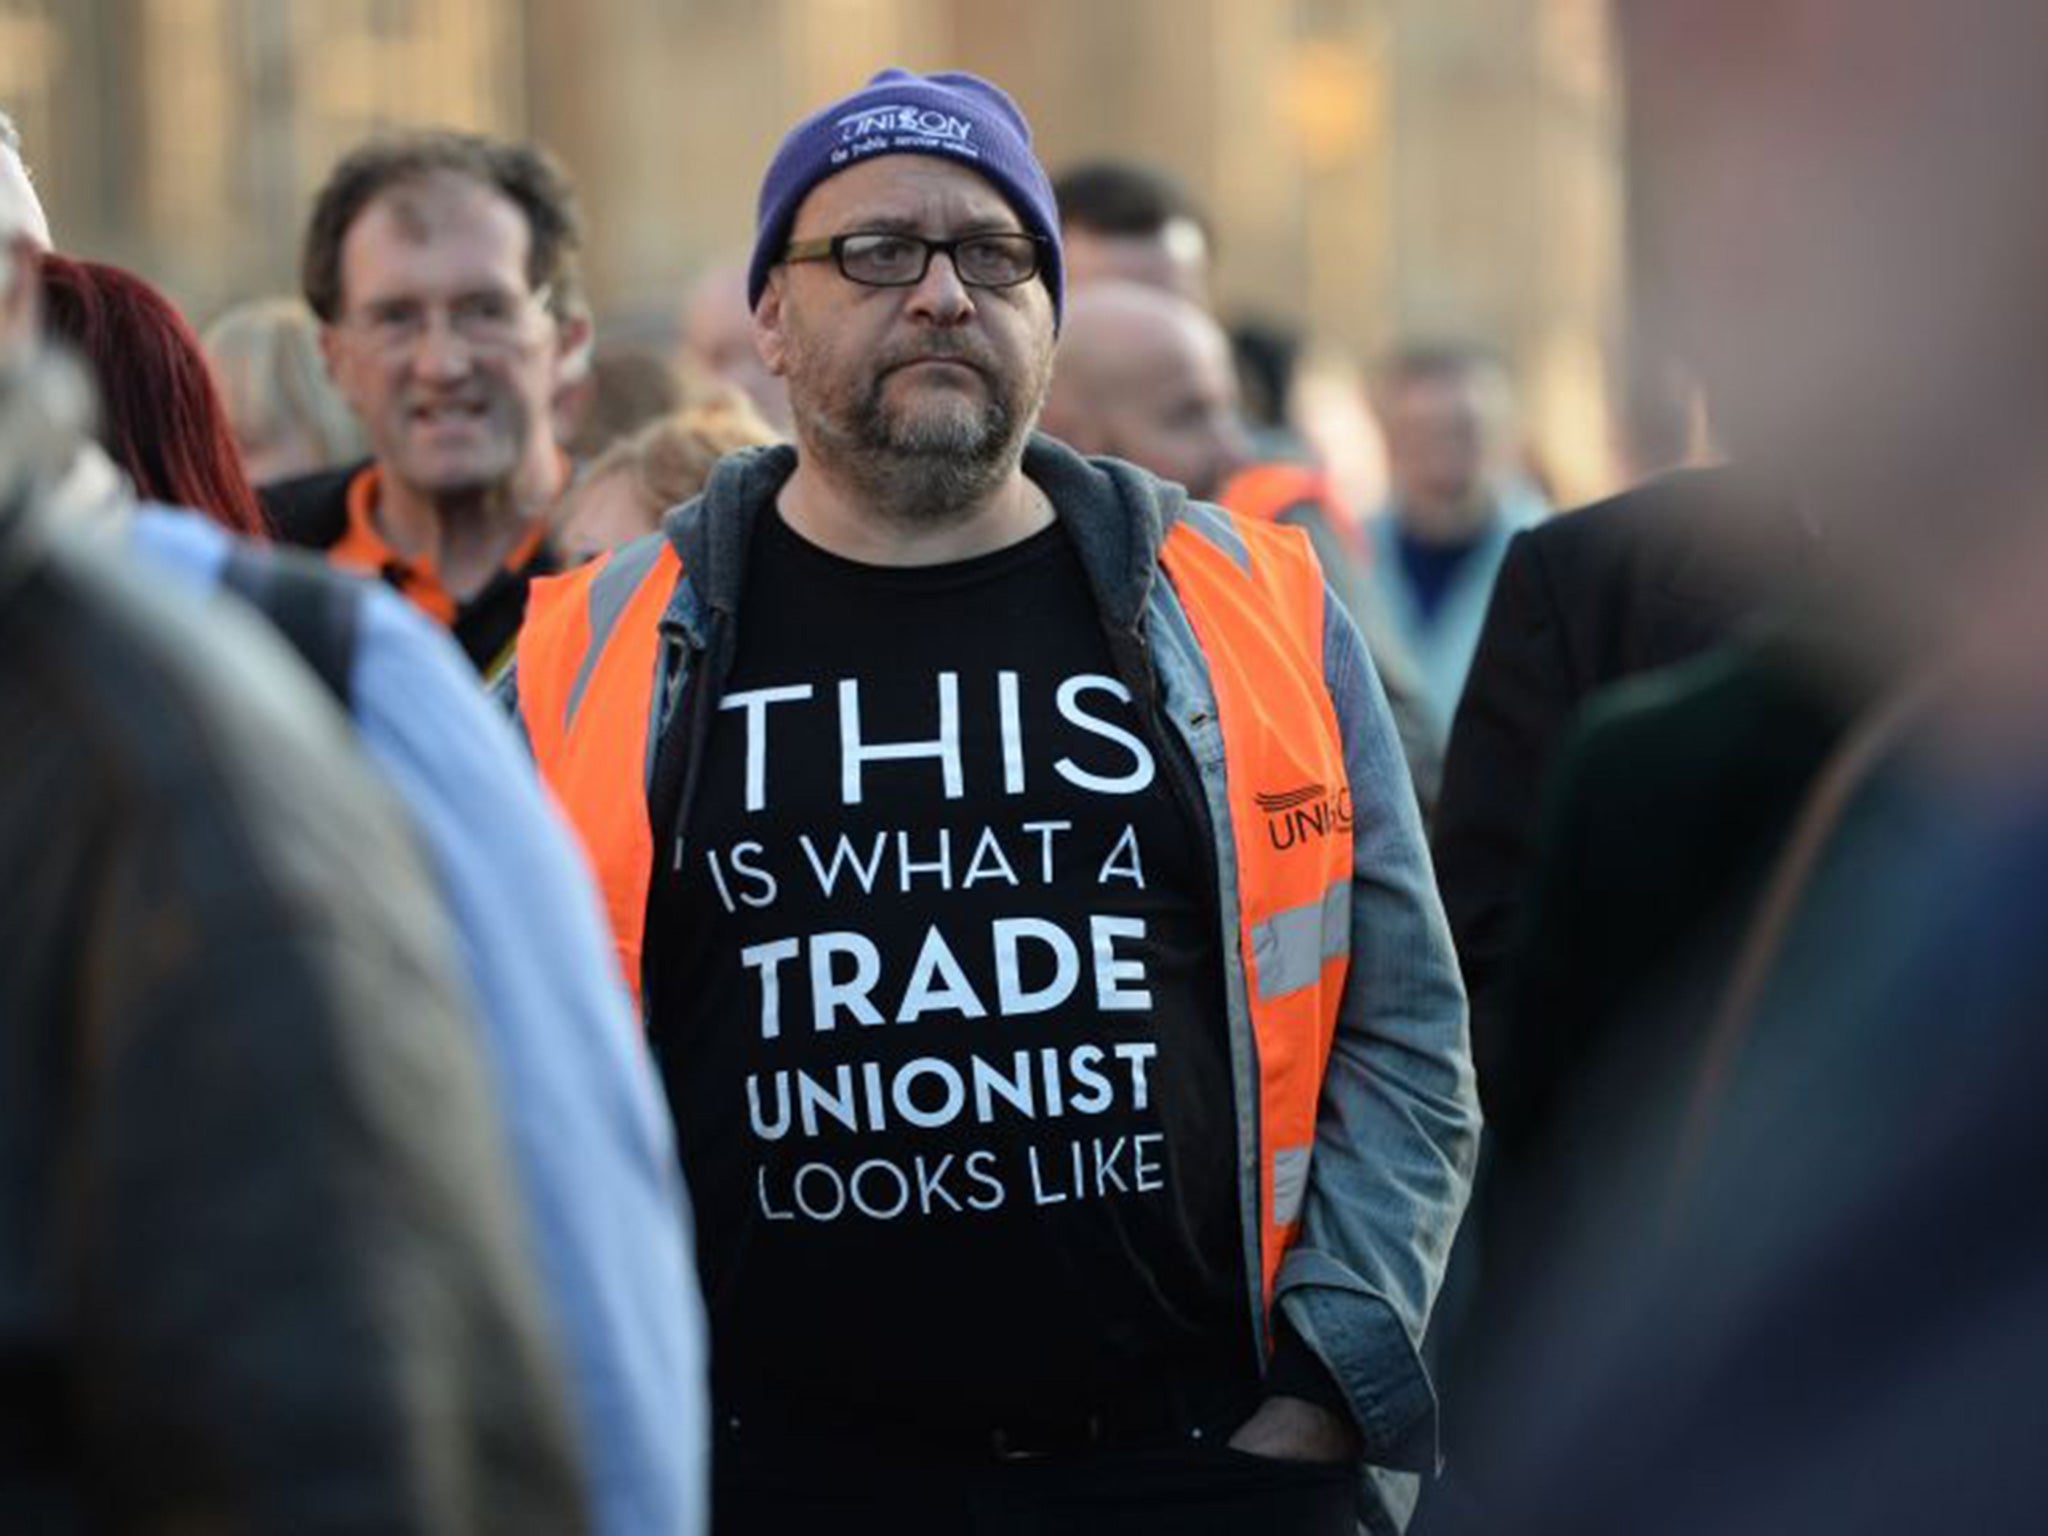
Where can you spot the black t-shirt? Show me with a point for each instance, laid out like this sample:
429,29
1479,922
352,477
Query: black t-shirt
945,1039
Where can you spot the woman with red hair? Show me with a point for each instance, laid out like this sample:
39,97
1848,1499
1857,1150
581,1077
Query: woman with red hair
161,419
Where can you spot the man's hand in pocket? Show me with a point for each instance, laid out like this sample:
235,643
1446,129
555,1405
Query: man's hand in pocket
1294,1429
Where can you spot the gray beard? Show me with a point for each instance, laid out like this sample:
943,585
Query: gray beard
924,473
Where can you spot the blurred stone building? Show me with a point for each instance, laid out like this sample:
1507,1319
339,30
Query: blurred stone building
1376,168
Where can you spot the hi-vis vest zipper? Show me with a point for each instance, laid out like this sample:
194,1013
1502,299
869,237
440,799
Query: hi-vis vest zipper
1253,595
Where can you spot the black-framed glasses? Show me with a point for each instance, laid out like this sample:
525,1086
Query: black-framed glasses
880,259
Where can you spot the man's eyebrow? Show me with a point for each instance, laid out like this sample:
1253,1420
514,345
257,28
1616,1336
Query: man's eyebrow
887,224
903,224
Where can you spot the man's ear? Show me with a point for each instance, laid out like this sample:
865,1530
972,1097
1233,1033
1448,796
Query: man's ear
769,340
575,341
330,351
344,366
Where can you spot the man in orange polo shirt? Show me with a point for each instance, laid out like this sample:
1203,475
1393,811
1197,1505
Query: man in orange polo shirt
442,269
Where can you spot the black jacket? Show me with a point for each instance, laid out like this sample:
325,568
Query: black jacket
1627,586
312,512
1669,807
260,1268
1838,1271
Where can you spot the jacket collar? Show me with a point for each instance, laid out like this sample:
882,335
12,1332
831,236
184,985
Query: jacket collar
1117,516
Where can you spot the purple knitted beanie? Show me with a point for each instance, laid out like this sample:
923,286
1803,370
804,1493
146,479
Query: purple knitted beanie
951,115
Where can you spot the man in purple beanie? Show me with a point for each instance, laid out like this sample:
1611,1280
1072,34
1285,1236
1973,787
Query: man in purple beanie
1030,912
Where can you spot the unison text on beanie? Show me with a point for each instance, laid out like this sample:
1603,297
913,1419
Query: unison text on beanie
951,116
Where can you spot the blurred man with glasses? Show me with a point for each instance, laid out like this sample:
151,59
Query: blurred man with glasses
1029,908
442,269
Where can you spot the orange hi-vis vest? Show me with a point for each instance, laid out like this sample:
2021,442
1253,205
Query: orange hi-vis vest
1253,596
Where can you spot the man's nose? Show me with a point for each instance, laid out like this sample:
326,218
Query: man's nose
940,296
442,351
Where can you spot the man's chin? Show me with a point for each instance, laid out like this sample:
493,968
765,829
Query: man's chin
454,482
943,433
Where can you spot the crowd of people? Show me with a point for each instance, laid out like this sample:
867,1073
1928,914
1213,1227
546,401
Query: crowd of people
538,979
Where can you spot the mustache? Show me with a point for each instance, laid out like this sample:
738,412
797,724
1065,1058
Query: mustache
948,350
470,399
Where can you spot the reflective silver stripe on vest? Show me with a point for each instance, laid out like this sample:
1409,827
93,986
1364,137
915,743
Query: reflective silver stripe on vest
610,591
1289,949
1290,1183
1214,524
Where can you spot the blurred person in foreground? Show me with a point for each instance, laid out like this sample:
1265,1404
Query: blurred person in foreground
1050,828
1642,581
591,1153
1457,498
1835,1318
1568,969
621,495
1146,375
442,267
287,418
718,342
263,1269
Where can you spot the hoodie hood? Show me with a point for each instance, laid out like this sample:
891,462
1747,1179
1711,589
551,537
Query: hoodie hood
1116,514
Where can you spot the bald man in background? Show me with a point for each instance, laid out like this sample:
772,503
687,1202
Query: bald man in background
1146,375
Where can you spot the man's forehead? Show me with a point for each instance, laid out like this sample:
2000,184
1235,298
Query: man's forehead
441,217
1119,319
437,203
903,189
1174,363
1437,397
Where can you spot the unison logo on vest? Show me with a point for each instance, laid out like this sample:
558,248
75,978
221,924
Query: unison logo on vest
1296,815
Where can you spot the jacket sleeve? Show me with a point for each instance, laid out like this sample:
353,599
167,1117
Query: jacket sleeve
1519,697
1397,1129
589,1134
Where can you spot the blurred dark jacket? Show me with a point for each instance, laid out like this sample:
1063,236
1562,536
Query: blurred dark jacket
1671,806
1842,1326
1583,600
260,1269
1668,812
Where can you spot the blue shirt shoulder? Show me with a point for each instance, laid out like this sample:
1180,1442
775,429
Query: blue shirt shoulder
590,1139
